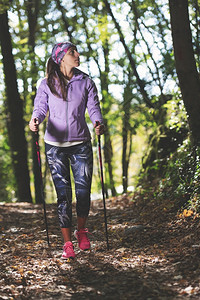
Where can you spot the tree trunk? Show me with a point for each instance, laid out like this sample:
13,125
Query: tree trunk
185,65
15,120
32,11
108,152
126,132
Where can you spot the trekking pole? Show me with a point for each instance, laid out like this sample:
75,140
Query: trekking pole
41,181
102,186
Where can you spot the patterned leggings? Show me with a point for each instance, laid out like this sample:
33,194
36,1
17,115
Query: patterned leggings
80,158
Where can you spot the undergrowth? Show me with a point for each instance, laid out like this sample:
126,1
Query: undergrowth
176,178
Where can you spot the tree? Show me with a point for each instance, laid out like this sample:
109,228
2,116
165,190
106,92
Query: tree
127,130
139,53
140,82
15,121
32,9
185,64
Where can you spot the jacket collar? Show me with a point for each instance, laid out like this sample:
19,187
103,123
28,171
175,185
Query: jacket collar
78,75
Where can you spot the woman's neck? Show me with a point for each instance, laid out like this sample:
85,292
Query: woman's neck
68,73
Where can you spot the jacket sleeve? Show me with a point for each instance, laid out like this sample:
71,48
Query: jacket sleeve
40,102
93,105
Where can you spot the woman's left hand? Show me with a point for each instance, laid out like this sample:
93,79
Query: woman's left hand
99,128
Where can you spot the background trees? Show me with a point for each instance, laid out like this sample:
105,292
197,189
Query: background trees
186,65
15,122
127,48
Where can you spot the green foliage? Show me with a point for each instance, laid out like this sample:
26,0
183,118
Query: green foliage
145,28
5,5
178,177
171,166
177,117
7,183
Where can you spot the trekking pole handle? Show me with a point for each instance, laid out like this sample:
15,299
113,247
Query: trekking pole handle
36,132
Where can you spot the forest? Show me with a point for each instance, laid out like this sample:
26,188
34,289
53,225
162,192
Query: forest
146,70
144,57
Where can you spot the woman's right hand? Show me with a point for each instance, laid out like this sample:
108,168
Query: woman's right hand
33,125
99,128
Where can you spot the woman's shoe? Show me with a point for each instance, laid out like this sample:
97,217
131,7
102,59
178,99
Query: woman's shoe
83,241
68,250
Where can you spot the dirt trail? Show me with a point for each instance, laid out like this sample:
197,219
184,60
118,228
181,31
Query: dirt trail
154,254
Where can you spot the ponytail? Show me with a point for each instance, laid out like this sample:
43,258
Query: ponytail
55,79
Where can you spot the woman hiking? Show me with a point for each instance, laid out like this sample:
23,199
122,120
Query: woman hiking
65,94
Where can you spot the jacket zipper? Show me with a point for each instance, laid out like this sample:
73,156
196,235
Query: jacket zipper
67,124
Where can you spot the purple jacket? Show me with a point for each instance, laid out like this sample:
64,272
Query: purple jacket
66,119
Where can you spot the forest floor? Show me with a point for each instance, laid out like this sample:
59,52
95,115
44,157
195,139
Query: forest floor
154,253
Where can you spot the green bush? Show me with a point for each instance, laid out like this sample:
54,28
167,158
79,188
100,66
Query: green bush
177,177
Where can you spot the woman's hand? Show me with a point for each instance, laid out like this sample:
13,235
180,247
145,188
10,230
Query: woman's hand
33,125
99,128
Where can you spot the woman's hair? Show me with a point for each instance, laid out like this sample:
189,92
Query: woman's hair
55,79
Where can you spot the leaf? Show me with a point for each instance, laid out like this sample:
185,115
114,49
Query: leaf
23,41
187,213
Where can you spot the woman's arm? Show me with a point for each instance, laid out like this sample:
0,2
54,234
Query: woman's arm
40,107
94,109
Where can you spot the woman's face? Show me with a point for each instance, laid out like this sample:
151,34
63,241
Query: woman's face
71,58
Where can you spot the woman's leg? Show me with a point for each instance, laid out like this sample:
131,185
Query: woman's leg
66,233
82,167
60,170
81,222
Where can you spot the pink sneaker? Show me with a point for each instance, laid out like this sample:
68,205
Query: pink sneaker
68,251
83,241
